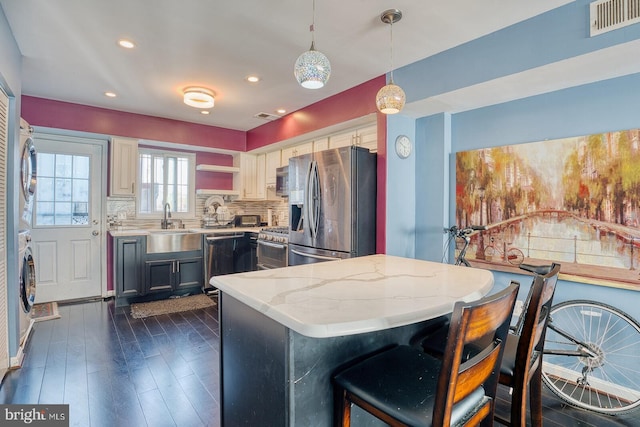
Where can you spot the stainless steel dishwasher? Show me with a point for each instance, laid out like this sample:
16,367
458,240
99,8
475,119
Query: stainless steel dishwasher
220,249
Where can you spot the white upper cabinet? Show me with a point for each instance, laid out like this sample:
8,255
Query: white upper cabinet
342,139
320,144
124,166
272,162
296,150
261,184
245,182
366,137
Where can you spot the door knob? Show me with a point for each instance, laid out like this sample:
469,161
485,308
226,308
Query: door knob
95,232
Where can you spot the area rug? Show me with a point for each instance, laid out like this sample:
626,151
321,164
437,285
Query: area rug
45,311
171,305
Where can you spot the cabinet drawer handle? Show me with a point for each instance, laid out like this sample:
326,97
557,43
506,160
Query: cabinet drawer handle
132,185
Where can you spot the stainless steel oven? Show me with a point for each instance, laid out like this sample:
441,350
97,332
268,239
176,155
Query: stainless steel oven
273,248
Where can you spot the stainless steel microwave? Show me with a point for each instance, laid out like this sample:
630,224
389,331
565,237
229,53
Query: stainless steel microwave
282,181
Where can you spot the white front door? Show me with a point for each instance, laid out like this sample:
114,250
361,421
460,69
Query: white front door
68,234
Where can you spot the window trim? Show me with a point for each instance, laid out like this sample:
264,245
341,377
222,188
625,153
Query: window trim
191,158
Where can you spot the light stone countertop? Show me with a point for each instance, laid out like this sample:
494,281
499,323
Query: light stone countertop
146,231
356,295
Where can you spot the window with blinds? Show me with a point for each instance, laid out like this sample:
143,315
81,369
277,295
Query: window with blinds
166,177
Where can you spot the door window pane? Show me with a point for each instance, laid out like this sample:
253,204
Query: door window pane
64,163
81,167
62,196
63,190
46,165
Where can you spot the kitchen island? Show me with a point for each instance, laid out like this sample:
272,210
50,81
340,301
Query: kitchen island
283,332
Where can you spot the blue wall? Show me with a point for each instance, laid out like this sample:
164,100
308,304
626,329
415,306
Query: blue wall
597,107
401,205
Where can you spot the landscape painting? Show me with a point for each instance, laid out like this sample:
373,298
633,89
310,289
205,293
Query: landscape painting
575,201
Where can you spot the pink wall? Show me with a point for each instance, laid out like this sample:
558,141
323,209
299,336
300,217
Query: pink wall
350,104
222,181
65,115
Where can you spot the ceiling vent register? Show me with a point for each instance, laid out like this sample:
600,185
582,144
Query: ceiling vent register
267,116
607,15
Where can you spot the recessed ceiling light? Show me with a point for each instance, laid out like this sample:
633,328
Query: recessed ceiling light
281,111
127,44
205,112
253,79
110,94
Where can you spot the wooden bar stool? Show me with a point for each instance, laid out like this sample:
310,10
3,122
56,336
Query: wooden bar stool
521,367
404,386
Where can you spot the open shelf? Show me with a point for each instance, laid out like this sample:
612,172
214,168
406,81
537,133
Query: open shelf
217,168
203,192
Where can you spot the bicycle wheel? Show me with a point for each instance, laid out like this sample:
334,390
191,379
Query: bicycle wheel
515,256
607,380
491,254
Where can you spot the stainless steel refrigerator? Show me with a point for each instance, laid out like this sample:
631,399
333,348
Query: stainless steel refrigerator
332,205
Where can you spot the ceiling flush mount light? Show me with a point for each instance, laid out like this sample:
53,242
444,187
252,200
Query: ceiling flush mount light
127,44
253,79
110,94
390,99
312,69
198,97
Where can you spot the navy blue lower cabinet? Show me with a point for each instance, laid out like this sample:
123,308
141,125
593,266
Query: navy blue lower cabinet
128,253
173,272
140,276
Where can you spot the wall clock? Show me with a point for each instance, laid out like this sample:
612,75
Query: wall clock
403,146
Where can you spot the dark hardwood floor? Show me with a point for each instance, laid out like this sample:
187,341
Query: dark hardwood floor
115,371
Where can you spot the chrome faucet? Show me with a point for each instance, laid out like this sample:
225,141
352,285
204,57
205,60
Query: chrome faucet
165,223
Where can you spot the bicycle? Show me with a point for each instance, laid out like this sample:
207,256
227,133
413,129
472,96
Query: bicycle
591,352
464,234
513,256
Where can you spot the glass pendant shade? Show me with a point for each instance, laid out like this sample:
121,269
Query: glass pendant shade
390,99
312,69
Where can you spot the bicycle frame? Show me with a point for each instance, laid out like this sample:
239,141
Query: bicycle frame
460,259
582,351
463,233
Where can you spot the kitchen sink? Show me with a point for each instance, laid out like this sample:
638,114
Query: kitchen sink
162,241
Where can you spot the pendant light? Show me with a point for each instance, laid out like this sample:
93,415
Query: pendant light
312,68
390,99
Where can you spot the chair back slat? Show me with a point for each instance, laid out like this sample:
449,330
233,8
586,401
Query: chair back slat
536,317
473,373
488,318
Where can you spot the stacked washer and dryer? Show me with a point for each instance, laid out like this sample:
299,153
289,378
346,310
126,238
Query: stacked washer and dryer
27,276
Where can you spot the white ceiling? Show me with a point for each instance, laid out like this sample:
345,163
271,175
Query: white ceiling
70,53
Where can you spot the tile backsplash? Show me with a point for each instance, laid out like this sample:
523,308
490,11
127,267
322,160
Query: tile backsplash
122,210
